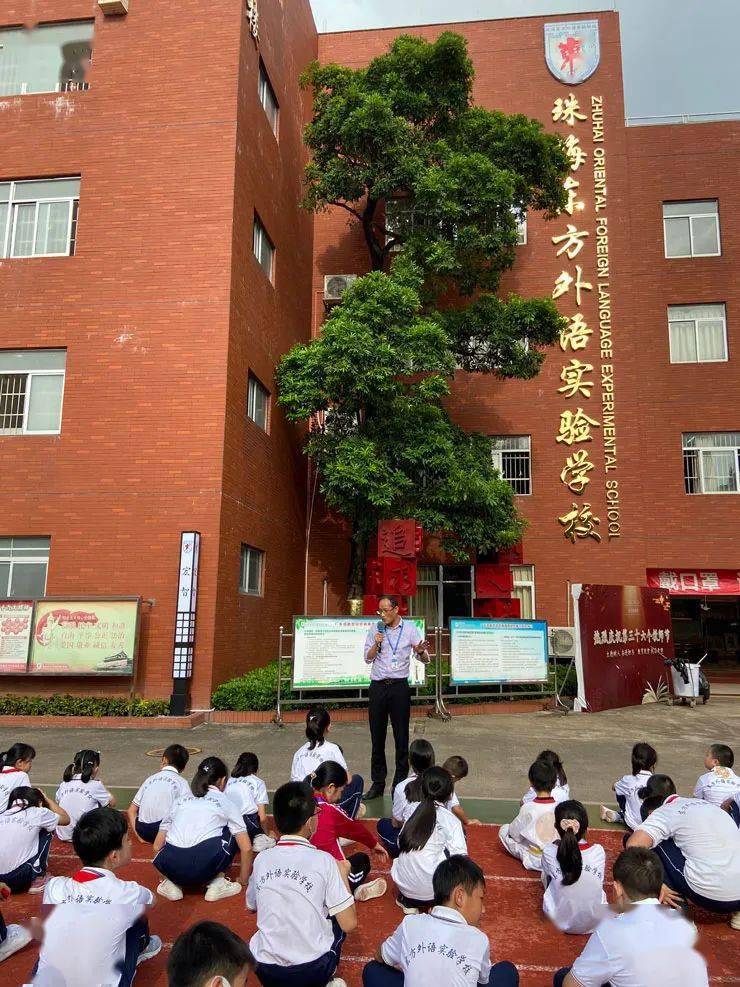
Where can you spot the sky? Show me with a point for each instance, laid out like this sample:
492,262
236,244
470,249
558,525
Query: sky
679,56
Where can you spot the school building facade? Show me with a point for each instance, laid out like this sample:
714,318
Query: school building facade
156,265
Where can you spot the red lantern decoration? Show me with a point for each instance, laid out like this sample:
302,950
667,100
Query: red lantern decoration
493,581
497,609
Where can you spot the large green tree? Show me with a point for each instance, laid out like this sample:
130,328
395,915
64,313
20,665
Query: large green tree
436,185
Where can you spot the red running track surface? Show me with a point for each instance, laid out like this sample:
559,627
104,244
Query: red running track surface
514,921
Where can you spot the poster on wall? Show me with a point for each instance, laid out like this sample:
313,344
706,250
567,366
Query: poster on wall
497,651
329,652
623,636
16,617
85,637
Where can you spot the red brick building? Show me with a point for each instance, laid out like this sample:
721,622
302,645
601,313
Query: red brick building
149,295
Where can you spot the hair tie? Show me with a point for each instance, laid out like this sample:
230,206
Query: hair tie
570,825
312,775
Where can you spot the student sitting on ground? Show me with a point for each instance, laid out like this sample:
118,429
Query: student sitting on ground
699,847
421,757
733,807
446,946
15,763
720,782
26,828
209,955
250,795
430,834
647,944
644,759
154,799
318,749
13,938
573,873
527,836
198,840
334,826
81,791
97,932
458,768
561,789
304,907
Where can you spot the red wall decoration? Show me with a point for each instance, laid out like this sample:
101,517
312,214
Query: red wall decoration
492,581
497,608
390,575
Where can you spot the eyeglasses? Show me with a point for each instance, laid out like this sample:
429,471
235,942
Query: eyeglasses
385,610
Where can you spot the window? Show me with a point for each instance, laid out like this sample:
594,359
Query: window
711,462
250,578
521,226
31,389
51,58
267,98
513,459
698,333
258,402
263,248
523,589
691,229
23,565
39,219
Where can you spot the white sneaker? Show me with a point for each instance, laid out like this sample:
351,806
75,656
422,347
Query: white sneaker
343,841
38,886
375,889
337,982
262,842
362,811
168,889
608,815
153,947
16,939
221,887
735,921
406,909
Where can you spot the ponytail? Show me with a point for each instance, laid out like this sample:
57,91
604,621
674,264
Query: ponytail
16,753
209,772
328,773
84,764
571,822
317,723
644,758
246,765
26,798
436,786
554,759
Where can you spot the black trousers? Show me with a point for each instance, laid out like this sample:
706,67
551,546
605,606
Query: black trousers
389,698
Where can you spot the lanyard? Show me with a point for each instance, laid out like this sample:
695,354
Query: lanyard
394,648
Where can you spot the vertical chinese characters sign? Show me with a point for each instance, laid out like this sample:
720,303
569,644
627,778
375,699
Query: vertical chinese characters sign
184,643
586,376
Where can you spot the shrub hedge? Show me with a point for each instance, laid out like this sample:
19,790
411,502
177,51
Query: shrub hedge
81,706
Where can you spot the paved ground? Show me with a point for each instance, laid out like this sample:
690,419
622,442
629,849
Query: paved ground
499,748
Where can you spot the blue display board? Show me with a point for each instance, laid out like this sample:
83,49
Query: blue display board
497,651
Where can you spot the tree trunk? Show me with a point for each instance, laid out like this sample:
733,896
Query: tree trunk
358,555
377,255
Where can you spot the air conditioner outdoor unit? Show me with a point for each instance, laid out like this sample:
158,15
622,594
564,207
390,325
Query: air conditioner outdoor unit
335,286
562,642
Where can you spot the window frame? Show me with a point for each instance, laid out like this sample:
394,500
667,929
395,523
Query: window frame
83,86
691,217
497,459
259,232
10,229
696,452
28,374
696,323
526,584
7,559
520,217
264,85
245,556
253,379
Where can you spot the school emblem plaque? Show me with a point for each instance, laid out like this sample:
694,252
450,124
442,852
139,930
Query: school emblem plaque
572,50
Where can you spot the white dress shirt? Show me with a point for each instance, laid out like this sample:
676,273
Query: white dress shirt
413,871
306,761
77,797
10,779
629,786
717,785
576,908
439,948
156,795
192,820
19,834
240,792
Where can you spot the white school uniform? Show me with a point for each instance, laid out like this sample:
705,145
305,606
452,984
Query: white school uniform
717,785
85,935
306,761
413,871
561,793
156,795
295,889
10,779
77,797
628,786
439,948
648,946
403,809
240,792
577,908
19,834
528,835
708,839
191,821
258,789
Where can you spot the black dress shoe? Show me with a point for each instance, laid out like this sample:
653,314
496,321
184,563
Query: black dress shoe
375,791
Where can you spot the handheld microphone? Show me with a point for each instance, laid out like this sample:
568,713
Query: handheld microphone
380,627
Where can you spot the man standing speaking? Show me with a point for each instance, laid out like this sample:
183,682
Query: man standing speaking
388,649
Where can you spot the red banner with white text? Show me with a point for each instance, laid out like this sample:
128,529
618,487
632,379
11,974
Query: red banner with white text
695,582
